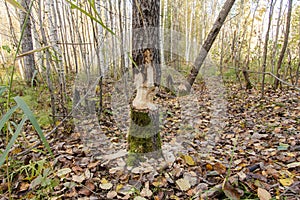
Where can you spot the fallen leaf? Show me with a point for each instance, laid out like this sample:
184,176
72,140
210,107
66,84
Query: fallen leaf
78,179
293,165
87,190
93,165
283,147
87,174
263,194
231,192
119,187
139,198
286,181
63,172
111,194
277,130
24,186
220,168
106,186
189,160
146,192
84,191
77,169
209,167
183,184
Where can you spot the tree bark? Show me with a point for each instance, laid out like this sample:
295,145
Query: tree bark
27,43
285,43
143,135
266,48
245,72
209,42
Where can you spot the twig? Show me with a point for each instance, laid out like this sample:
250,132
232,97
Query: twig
271,74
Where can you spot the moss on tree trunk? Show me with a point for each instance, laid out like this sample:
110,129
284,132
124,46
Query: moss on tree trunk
143,137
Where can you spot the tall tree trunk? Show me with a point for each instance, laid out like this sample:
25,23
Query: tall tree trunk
27,43
144,134
48,65
245,73
264,64
99,48
164,16
209,42
113,47
54,40
123,53
285,43
273,58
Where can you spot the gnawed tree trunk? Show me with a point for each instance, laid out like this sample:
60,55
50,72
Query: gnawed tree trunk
27,43
209,42
144,134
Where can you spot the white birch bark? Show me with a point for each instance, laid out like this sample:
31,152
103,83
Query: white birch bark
164,15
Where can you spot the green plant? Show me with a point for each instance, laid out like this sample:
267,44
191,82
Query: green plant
39,174
27,115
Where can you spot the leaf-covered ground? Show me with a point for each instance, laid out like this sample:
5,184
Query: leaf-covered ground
252,151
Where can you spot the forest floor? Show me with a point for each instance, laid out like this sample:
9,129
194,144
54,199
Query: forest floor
252,151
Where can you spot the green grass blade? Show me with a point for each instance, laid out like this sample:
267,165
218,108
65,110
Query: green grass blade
16,4
7,116
74,6
2,90
12,141
21,103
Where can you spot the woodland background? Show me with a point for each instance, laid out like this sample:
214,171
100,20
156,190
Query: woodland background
257,54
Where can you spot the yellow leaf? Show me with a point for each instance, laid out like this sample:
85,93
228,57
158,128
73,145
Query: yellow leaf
286,181
156,184
16,151
291,154
189,160
103,181
209,167
119,187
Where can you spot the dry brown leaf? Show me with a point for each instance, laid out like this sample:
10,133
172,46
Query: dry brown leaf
93,165
263,194
84,191
231,192
220,168
24,186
